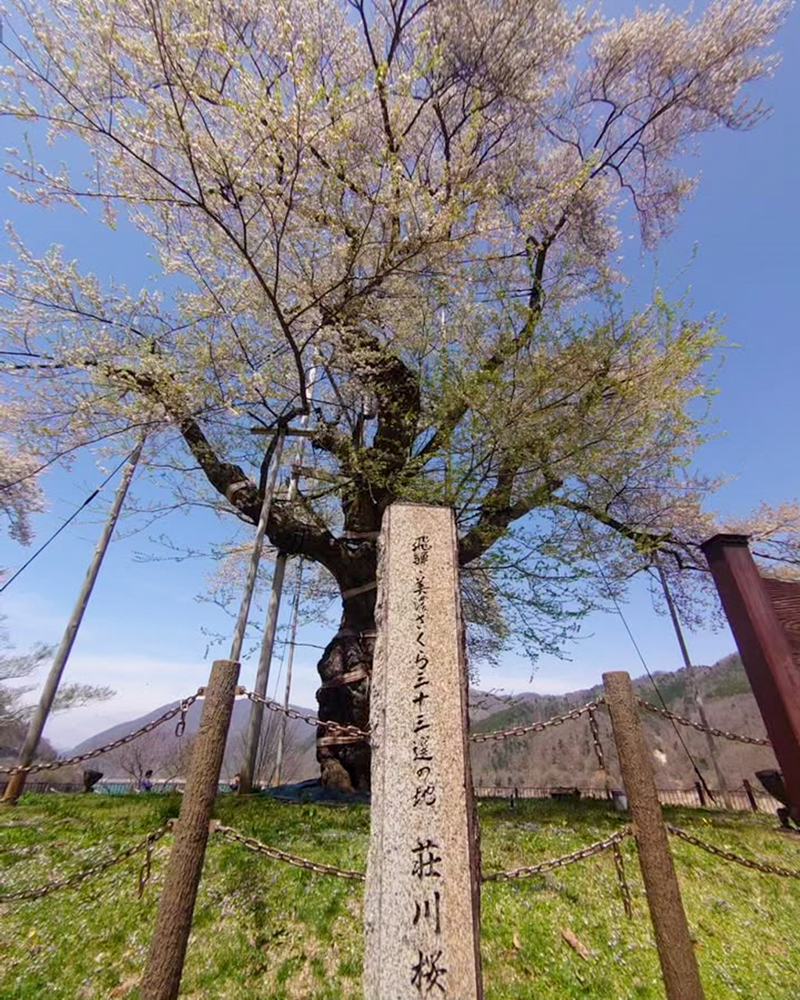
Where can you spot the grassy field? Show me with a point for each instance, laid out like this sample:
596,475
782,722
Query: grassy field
265,930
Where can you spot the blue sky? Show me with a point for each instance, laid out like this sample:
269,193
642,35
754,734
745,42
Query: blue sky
144,631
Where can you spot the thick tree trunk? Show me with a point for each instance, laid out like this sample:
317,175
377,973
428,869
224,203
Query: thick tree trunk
346,673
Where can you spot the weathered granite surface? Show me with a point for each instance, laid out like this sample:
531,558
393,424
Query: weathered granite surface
422,903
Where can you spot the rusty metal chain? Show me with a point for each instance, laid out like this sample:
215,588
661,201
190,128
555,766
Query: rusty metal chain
759,866
624,890
18,852
536,727
180,709
228,833
311,720
147,866
681,721
70,881
183,708
598,746
291,859
567,859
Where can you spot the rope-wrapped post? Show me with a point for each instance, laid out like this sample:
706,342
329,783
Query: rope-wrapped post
675,950
162,977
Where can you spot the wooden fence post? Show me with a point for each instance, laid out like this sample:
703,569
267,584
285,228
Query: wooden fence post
675,950
162,977
751,798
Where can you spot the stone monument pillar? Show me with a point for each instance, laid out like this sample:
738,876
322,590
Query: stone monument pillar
422,903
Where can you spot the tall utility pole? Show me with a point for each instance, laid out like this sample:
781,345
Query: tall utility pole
247,772
289,663
16,782
695,691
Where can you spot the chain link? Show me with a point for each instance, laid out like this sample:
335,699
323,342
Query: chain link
311,720
146,844
291,859
180,709
147,865
536,727
724,734
18,852
624,890
598,746
737,859
567,859
180,726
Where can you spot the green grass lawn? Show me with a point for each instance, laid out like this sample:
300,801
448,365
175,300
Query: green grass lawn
265,930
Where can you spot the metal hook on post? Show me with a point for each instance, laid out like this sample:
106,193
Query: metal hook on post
180,725
147,864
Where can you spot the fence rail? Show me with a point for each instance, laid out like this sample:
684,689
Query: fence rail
687,797
108,786
667,796
46,786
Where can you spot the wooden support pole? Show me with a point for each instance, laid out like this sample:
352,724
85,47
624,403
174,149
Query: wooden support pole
287,693
701,795
675,950
247,773
255,555
162,977
766,654
16,783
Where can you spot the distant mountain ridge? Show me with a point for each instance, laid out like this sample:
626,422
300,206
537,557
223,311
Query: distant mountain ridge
561,755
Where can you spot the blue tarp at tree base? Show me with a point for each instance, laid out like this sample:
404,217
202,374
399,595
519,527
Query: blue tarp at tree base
314,791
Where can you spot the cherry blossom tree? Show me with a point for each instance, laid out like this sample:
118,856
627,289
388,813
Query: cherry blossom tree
20,495
427,199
